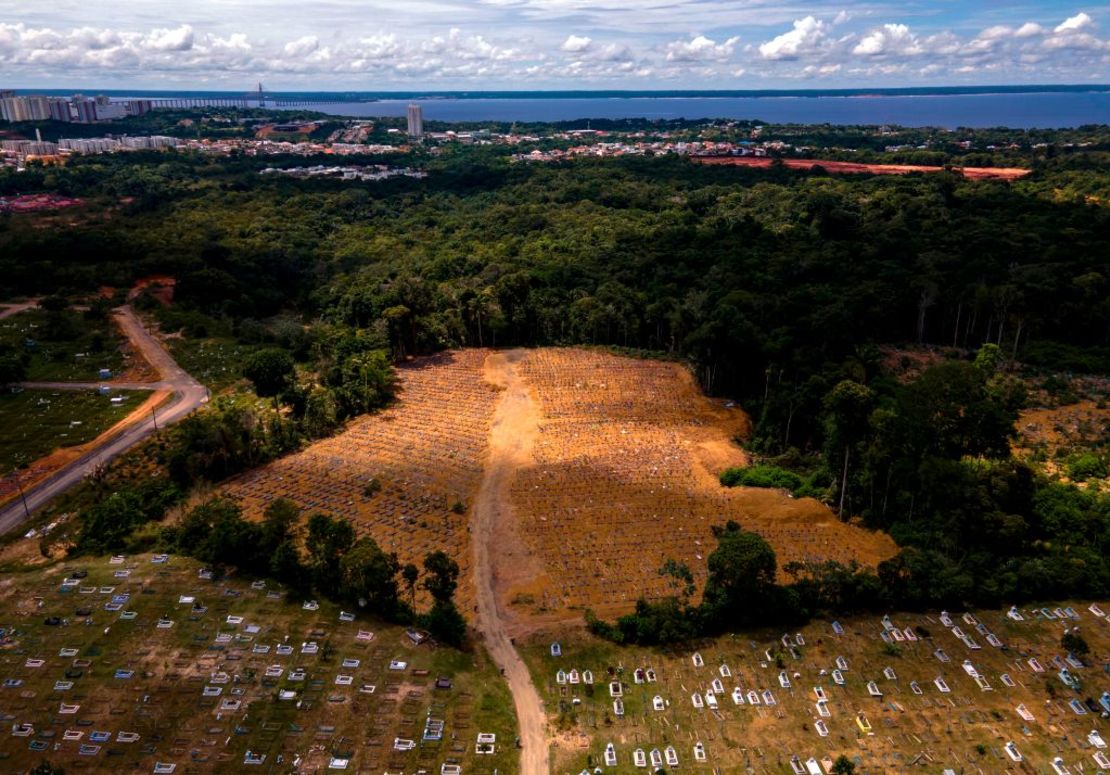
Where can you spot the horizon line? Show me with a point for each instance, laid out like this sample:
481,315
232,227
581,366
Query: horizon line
415,92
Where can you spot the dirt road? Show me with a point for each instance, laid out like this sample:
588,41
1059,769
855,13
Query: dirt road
188,394
511,437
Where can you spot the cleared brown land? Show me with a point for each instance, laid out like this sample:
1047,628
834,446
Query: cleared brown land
605,467
427,451
627,455
847,167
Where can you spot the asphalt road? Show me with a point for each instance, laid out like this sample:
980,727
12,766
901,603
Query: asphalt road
188,395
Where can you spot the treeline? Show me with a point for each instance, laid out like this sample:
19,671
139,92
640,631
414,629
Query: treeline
334,563
1051,547
778,286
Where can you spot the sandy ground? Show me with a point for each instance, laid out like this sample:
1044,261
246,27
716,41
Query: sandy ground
512,435
972,173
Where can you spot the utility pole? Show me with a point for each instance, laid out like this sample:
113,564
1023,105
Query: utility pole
155,417
23,497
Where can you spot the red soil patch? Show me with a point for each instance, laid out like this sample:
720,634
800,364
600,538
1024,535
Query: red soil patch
847,167
34,203
161,288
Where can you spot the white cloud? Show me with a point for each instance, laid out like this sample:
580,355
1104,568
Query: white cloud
530,44
180,39
804,37
301,47
698,49
997,32
1074,23
890,39
575,44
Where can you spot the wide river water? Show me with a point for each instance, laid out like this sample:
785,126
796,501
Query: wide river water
1021,111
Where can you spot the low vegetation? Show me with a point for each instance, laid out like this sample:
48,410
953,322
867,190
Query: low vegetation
33,423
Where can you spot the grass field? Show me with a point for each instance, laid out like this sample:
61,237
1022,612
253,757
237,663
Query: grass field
75,354
217,363
965,728
143,662
34,423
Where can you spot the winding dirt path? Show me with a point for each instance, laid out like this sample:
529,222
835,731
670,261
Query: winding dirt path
512,434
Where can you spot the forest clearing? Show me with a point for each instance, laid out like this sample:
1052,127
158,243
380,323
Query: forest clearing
618,473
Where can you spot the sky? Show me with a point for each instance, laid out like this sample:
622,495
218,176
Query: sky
379,45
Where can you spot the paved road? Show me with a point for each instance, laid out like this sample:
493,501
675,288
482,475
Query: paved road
511,438
7,310
188,394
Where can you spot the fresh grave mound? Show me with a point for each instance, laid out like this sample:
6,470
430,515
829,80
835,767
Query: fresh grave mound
426,452
626,458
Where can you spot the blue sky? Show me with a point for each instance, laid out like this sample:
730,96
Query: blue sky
536,44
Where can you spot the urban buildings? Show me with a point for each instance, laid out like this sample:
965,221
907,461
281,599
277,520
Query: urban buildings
415,115
77,109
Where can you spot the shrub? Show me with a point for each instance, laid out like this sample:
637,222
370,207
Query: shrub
762,476
1087,465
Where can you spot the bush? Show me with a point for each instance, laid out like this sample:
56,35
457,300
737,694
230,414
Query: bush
762,476
1087,465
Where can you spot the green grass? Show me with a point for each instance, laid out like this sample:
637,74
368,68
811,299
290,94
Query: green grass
53,342
163,701
36,422
217,363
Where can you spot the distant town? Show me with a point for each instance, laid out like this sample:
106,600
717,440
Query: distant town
237,128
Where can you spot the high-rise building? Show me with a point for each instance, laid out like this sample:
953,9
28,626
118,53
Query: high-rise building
84,110
416,121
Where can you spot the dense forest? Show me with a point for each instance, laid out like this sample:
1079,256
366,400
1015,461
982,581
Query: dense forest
779,287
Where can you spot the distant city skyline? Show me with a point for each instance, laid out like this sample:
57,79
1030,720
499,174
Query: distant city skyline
548,44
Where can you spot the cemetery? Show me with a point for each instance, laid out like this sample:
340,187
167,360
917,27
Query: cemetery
623,476
898,707
626,469
403,476
156,664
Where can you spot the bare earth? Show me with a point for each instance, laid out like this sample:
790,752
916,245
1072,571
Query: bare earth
512,434
847,167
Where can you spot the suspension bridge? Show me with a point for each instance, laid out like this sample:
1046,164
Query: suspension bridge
258,98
